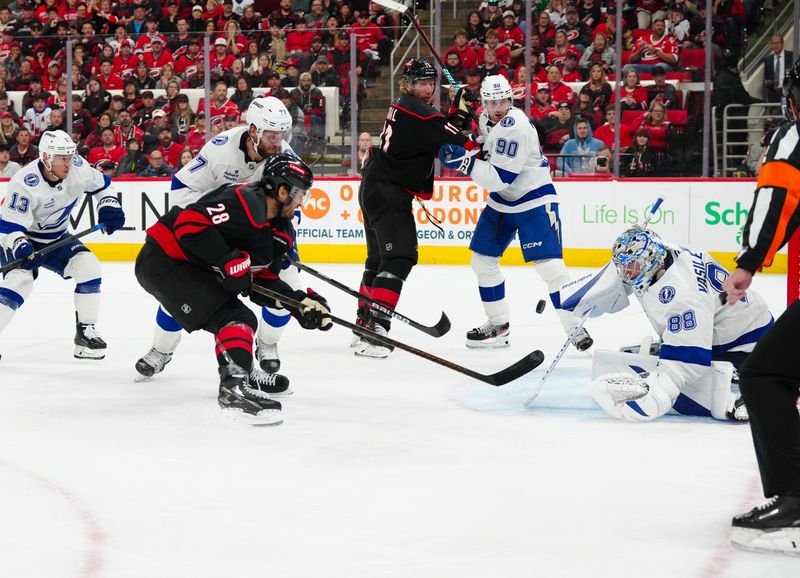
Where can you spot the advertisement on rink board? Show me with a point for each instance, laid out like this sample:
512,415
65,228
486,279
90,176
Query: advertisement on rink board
705,214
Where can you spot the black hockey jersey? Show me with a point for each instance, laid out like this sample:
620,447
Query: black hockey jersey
775,213
412,135
231,217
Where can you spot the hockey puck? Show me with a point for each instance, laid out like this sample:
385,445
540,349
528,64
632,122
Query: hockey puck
541,305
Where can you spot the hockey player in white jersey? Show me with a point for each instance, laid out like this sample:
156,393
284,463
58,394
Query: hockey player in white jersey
522,201
701,340
236,155
35,213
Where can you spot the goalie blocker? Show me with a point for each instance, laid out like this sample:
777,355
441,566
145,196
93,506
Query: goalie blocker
634,388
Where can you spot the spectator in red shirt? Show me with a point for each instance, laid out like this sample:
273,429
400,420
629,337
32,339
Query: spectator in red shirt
570,72
558,53
542,107
369,36
196,137
545,29
187,65
632,96
124,63
126,130
168,149
511,35
108,148
493,41
559,91
656,50
108,79
655,121
605,132
144,42
220,104
299,39
157,57
469,58
50,81
221,59
490,65
283,17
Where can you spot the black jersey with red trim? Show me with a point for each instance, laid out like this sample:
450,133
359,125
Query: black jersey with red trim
231,217
775,213
412,135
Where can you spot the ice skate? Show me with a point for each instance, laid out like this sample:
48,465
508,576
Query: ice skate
152,362
737,410
366,347
264,382
267,356
236,395
582,340
363,319
88,343
489,336
773,527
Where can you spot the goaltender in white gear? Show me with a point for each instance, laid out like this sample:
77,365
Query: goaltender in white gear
702,340
522,203
236,155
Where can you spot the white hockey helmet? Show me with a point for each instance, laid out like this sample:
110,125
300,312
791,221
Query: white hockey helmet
495,87
638,255
268,113
56,142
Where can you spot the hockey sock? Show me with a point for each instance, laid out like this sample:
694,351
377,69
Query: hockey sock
491,286
15,289
87,300
167,333
273,323
234,343
367,280
386,289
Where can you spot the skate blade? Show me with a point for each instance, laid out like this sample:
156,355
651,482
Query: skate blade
82,352
371,354
496,343
142,378
782,542
267,417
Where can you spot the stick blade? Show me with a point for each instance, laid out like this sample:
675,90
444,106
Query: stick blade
525,365
442,327
392,5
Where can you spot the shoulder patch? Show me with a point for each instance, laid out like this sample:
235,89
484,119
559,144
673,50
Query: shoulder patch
507,121
666,294
219,140
31,179
77,161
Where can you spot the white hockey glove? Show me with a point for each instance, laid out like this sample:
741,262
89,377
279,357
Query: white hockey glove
642,397
597,294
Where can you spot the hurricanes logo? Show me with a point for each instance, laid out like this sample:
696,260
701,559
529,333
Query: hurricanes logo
318,204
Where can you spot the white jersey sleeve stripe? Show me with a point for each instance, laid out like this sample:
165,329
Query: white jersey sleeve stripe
744,339
548,189
106,184
686,354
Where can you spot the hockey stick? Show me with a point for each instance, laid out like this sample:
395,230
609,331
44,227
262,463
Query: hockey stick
502,377
50,248
441,327
582,320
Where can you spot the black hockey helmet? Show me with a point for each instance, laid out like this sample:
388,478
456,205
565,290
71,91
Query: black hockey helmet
791,93
418,69
285,169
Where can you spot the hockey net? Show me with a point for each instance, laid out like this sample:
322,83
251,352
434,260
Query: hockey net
793,269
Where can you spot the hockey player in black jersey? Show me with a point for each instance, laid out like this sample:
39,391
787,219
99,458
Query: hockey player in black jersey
394,173
196,261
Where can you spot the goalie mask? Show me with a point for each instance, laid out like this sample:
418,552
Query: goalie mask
638,255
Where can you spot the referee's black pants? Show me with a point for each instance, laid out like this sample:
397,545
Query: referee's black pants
770,382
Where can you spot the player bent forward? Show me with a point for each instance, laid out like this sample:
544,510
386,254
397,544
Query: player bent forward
702,340
35,213
522,201
197,260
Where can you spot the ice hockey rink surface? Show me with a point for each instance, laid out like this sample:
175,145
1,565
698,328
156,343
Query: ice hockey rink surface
382,468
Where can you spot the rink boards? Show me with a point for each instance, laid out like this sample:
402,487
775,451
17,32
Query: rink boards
707,214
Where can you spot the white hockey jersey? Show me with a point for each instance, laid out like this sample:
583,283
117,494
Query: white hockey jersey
684,308
222,161
514,169
35,208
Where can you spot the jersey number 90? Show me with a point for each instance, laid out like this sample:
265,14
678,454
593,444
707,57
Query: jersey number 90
506,147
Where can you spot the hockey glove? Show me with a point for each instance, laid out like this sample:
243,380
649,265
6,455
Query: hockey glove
22,248
455,157
326,322
314,313
235,271
110,212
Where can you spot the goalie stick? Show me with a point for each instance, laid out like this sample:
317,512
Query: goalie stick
582,320
441,327
50,248
502,377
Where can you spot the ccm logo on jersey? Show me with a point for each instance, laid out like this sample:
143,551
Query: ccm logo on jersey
532,245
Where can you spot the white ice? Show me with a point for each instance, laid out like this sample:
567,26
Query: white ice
393,468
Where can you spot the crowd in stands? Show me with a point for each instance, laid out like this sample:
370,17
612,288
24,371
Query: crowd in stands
133,47
573,42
